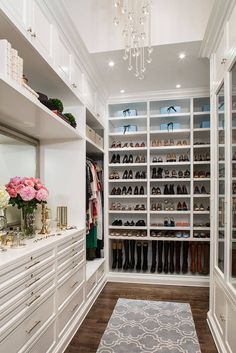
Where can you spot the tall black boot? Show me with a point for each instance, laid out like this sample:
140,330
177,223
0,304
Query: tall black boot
185,257
154,256
126,263
114,255
132,254
166,256
177,256
159,173
172,254
120,254
160,249
145,256
139,256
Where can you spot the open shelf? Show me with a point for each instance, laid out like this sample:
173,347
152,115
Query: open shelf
92,267
93,148
174,148
170,228
127,180
20,110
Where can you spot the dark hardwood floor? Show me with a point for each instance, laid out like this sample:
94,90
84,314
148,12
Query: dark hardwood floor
89,334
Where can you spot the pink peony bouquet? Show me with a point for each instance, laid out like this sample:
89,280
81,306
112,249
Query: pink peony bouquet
26,192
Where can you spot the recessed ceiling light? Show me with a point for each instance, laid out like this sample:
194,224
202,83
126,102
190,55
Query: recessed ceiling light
122,91
182,56
178,86
111,63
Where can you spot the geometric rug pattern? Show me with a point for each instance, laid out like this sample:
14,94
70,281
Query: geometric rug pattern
142,326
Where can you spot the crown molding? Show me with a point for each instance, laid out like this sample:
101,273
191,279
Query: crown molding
60,14
219,15
160,95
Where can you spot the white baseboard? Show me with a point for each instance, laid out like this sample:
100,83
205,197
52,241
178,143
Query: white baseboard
215,334
146,278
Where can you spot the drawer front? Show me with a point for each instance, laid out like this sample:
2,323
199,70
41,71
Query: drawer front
230,330
46,342
71,251
29,328
219,308
69,266
101,272
29,281
90,285
69,312
73,239
25,305
70,286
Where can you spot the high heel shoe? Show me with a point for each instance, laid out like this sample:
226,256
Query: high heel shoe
130,175
124,190
136,190
166,190
125,174
130,159
113,159
137,175
141,191
154,173
129,191
125,159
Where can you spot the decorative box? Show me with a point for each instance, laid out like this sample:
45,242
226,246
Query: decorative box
205,124
170,126
90,133
127,112
170,109
206,108
99,140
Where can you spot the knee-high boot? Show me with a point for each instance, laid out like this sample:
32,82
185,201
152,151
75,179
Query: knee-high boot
154,256
145,256
199,258
160,250
185,256
206,261
120,254
194,257
166,256
132,254
177,256
126,263
172,254
114,254
139,256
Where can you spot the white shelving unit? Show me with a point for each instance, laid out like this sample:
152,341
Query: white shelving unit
191,139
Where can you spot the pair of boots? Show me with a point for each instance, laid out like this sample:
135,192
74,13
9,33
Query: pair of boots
117,254
157,173
200,258
172,256
142,247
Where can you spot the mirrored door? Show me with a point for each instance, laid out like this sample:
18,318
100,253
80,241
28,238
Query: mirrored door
233,181
221,178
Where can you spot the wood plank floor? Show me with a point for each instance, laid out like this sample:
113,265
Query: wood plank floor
87,338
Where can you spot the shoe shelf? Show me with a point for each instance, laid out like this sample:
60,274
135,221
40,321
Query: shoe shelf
127,180
169,163
170,212
160,143
128,165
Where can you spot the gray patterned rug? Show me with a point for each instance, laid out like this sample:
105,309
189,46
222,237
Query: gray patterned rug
149,327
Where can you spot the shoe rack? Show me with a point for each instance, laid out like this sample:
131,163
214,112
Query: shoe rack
165,210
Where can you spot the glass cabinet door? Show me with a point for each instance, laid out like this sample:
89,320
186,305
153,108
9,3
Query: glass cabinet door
233,181
221,178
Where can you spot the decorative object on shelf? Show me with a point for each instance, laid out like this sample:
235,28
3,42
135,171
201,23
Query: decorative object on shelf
45,219
71,119
136,33
127,128
170,110
11,63
57,104
26,193
62,217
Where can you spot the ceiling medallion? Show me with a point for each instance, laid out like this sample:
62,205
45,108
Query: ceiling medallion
135,16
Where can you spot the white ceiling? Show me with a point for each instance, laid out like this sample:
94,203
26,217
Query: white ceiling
177,25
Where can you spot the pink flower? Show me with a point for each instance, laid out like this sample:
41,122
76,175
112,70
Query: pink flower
28,182
19,187
35,180
41,195
27,193
12,192
16,180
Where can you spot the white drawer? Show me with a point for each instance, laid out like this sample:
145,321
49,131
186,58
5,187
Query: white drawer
73,239
70,311
71,251
29,281
29,328
70,286
70,265
90,285
101,272
13,312
26,266
219,308
46,342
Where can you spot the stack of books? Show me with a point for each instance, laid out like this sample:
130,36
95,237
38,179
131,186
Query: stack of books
11,63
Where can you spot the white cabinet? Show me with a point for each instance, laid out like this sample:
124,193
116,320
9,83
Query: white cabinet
230,329
220,308
220,59
89,93
18,11
76,76
231,30
41,30
62,57
100,109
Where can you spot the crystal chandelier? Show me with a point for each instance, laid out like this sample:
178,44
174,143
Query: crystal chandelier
136,16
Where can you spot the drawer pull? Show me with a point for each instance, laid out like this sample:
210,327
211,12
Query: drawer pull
222,318
76,306
32,301
35,324
30,284
74,284
76,264
35,263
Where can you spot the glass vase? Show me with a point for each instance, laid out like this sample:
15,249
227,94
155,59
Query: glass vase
28,222
3,220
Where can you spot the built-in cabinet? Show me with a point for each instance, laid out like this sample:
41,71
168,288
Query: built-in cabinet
222,313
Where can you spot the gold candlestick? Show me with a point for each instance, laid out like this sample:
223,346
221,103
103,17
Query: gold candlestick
44,220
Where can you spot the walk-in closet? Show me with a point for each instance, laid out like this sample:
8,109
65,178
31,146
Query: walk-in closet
117,176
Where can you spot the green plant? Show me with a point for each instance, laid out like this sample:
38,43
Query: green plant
57,103
71,119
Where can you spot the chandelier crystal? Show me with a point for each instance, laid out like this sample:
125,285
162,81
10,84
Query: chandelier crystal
135,16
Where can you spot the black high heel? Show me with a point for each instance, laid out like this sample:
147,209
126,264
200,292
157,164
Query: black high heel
125,159
130,175
125,174
130,158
